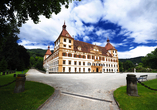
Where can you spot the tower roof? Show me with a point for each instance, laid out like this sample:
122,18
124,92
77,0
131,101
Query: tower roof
48,51
65,32
109,46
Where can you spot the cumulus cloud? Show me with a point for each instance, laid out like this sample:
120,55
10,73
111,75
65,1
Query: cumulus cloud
86,38
138,51
137,16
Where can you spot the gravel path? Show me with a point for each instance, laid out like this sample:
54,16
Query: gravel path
82,91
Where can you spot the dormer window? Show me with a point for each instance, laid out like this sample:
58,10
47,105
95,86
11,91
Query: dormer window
67,35
79,48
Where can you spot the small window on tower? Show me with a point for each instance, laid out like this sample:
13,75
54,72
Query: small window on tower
69,41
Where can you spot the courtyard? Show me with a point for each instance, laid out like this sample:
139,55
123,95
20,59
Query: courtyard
82,91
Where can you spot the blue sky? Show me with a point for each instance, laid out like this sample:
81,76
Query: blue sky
131,26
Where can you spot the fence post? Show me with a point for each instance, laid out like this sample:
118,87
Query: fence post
132,85
20,83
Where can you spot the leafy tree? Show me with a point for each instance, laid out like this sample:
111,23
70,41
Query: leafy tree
3,65
150,60
22,10
128,64
121,66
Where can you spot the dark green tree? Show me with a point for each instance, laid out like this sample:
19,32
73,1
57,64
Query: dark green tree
150,60
121,69
128,65
3,65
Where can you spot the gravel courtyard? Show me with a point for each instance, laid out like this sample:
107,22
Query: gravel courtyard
83,91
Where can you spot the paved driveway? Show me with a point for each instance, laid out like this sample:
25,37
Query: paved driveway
83,91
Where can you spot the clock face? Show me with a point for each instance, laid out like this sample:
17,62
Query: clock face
67,35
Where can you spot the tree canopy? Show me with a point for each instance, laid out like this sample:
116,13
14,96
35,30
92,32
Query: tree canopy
150,60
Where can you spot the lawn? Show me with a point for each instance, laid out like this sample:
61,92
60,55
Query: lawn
34,95
147,99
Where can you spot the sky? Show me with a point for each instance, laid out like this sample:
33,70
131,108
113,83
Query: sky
130,25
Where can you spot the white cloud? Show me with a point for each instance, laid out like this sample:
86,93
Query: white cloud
138,51
34,45
86,38
97,43
137,16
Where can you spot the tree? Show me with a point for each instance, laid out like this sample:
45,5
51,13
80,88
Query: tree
150,60
121,66
22,10
128,64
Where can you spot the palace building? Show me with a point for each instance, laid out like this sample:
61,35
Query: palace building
71,55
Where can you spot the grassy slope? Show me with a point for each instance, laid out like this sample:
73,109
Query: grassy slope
34,95
134,60
147,99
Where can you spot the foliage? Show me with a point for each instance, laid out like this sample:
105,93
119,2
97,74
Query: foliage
121,69
37,52
128,64
146,100
22,10
3,65
15,55
134,60
150,60
33,96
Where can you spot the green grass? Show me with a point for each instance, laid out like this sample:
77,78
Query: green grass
34,95
147,99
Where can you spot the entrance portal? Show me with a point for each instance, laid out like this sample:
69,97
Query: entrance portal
97,70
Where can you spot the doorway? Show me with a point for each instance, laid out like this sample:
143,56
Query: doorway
97,70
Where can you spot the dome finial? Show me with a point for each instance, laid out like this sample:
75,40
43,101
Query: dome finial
108,39
64,26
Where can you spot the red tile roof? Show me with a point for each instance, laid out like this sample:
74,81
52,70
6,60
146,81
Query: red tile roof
48,51
109,46
85,47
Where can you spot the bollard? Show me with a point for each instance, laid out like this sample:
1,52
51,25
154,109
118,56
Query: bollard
20,83
3,73
14,75
132,85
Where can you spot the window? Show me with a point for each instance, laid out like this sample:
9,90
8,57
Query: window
79,56
88,56
69,69
79,69
99,58
88,69
93,64
106,65
63,61
69,41
103,58
69,55
83,63
92,57
63,69
84,56
69,46
89,63
64,45
64,54
75,63
79,63
69,62
64,40
75,70
83,69
75,55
